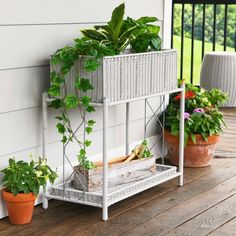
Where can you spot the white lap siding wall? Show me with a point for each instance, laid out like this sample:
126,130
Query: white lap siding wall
30,31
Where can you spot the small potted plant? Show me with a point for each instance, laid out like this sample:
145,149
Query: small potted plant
23,181
88,175
203,123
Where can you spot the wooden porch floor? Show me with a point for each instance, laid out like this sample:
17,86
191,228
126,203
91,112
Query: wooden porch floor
205,205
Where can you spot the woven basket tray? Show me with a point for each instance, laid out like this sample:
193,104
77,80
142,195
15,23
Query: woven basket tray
128,76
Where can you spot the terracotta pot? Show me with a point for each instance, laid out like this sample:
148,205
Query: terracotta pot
20,207
195,155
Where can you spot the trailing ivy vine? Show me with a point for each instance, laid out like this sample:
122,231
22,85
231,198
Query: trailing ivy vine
110,39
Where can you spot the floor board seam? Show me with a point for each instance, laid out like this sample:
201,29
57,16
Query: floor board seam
221,225
234,194
181,204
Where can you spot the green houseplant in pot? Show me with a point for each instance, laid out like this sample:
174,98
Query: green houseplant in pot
23,181
203,124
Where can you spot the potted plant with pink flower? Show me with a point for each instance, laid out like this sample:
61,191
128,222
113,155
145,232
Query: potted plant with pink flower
203,124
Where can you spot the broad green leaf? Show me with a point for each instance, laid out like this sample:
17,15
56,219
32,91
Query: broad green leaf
185,138
193,137
117,18
140,45
146,19
153,29
155,43
93,34
204,136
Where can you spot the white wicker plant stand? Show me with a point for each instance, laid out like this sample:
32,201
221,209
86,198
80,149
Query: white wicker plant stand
109,196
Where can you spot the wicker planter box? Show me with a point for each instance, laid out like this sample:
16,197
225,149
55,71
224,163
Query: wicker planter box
120,173
128,76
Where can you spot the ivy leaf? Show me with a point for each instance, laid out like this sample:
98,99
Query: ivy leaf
83,84
90,109
64,139
65,69
54,90
59,118
71,101
82,152
85,101
91,64
55,59
57,103
88,129
91,122
55,78
87,143
61,128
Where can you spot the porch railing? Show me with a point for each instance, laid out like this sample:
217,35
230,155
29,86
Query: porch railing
201,22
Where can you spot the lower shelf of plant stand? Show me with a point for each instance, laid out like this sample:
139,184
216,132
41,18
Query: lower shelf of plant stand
115,194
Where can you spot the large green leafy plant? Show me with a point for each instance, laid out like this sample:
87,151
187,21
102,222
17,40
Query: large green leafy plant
24,177
109,39
202,115
118,33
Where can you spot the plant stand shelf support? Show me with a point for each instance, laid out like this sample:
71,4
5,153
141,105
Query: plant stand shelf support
181,136
105,160
45,140
127,129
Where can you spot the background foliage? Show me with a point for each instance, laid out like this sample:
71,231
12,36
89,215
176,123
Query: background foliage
231,27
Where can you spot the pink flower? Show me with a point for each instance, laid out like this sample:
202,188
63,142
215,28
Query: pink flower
198,110
186,115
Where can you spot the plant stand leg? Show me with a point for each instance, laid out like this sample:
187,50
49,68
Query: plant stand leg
181,136
127,129
163,101
105,160
45,200
45,140
145,119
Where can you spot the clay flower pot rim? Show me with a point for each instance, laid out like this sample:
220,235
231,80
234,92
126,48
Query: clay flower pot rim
20,197
199,139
